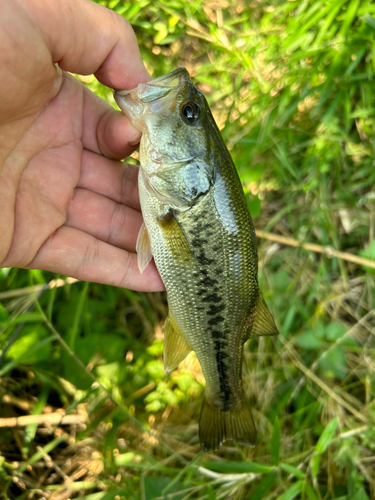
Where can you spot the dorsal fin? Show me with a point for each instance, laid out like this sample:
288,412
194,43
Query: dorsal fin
176,348
143,248
263,322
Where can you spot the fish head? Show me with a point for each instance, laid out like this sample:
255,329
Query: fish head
178,135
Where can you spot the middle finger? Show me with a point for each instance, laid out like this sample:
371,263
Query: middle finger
104,218
111,178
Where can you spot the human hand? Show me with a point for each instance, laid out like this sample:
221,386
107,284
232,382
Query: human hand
67,204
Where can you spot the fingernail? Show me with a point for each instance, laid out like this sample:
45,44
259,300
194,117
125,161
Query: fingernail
135,140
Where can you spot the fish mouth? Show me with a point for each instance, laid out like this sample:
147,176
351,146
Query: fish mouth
155,96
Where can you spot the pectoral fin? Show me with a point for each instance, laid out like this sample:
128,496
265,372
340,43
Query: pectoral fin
174,236
143,248
176,348
263,322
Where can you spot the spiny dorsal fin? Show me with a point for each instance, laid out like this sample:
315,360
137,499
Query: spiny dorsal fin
174,236
143,248
176,348
264,323
217,425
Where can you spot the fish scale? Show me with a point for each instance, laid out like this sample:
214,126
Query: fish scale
217,302
198,229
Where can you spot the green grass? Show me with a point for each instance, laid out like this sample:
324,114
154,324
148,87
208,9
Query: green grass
291,86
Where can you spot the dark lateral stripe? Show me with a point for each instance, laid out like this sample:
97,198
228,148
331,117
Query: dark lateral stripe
209,291
207,281
217,334
202,272
203,260
216,320
213,297
200,228
221,357
215,309
219,344
198,242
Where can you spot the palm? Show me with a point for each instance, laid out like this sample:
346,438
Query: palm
73,204
65,205
50,175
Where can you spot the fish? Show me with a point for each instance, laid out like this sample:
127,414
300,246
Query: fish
199,231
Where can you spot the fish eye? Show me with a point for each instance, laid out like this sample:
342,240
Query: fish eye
190,112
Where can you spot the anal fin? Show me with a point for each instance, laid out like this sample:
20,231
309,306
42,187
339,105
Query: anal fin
217,425
176,347
143,248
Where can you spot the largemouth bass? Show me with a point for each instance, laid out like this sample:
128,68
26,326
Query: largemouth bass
198,228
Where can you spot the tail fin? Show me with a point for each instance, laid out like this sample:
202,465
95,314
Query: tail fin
217,425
